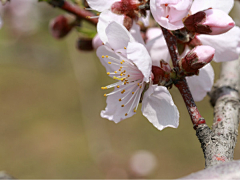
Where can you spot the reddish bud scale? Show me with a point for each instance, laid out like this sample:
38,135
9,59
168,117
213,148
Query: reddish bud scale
123,7
194,22
160,76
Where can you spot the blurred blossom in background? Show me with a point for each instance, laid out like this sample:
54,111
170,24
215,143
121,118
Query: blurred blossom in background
51,98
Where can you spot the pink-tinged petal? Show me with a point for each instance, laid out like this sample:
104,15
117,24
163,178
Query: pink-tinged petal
201,84
101,5
159,108
96,42
218,21
140,57
136,33
169,14
118,36
102,51
196,59
226,45
156,46
105,19
115,111
200,5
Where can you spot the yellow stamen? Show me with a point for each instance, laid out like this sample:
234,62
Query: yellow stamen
125,48
109,63
120,100
126,114
115,72
108,73
123,105
103,56
118,86
105,95
134,110
132,92
106,56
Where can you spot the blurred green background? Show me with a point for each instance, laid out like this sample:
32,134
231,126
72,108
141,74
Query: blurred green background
50,125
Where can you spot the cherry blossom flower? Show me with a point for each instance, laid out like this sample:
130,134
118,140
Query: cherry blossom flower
199,85
128,62
170,13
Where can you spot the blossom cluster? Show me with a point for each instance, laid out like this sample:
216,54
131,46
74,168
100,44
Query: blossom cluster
142,64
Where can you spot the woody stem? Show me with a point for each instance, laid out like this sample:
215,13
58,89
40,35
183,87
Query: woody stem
182,86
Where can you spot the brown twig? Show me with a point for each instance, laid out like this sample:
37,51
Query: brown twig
75,10
182,86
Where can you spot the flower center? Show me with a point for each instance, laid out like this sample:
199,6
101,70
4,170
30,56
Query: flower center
130,83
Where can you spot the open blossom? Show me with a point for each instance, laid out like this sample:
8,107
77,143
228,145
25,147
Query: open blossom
132,70
170,13
199,85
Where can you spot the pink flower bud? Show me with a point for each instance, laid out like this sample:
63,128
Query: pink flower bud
218,21
60,27
210,21
196,59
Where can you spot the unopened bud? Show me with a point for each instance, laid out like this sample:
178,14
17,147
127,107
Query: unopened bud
196,59
161,75
210,21
218,21
60,27
84,44
128,22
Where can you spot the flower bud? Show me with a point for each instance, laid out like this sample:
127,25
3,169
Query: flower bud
210,21
161,75
218,21
84,44
196,59
60,27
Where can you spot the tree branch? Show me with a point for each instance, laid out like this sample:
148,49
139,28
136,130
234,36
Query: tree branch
75,10
182,86
225,99
217,144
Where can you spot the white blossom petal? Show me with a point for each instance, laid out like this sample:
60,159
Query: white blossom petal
156,46
105,18
101,5
140,57
136,33
201,84
159,108
199,5
227,45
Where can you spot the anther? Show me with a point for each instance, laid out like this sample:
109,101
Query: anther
115,72
105,95
126,114
132,92
125,48
118,86
123,105
108,73
106,56
103,56
109,63
120,99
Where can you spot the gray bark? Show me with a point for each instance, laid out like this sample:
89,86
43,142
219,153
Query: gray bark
224,171
218,144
